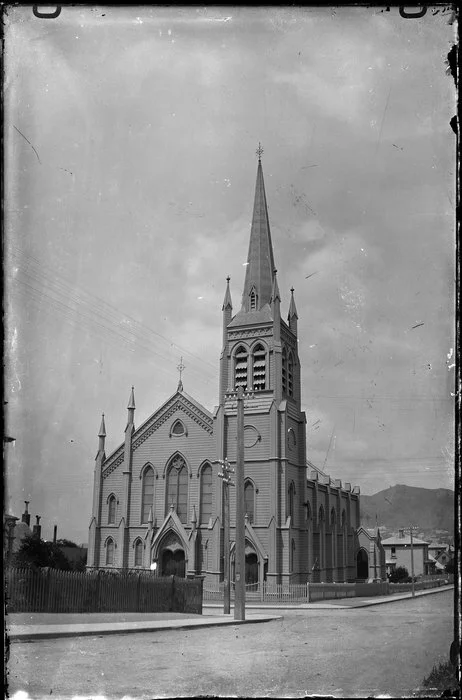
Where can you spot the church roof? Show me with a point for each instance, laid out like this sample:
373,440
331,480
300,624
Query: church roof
179,400
260,260
249,318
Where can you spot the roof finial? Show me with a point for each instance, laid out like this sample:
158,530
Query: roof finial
181,367
259,152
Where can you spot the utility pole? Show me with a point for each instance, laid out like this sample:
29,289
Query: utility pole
239,557
226,476
411,528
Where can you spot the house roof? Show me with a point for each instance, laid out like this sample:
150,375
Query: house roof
403,541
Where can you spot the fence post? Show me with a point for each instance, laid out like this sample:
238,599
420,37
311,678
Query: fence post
138,585
97,607
308,592
172,601
48,597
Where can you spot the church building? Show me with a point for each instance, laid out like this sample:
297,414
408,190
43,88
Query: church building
158,500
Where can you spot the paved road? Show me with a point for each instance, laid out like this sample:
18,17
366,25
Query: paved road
344,653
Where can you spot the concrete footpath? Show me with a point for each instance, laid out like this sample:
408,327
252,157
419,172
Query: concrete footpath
36,626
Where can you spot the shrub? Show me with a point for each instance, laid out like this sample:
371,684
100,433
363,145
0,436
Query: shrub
399,575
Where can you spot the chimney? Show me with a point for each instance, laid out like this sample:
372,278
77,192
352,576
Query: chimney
37,529
25,518
55,532
401,534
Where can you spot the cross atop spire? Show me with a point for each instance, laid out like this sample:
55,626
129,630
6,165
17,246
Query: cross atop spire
181,367
259,152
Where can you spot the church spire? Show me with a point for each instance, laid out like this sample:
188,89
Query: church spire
131,411
101,437
293,315
260,261
227,303
102,429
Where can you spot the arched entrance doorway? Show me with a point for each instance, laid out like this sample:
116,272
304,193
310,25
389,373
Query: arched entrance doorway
252,566
362,564
251,570
172,561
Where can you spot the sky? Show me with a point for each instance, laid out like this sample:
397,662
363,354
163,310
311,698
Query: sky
130,137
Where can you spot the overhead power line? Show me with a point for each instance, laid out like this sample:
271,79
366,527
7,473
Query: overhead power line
96,311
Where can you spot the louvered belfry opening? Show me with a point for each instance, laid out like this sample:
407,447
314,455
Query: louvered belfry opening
284,371
240,372
259,368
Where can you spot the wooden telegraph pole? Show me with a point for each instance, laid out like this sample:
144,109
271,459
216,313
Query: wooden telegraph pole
239,559
226,476
412,559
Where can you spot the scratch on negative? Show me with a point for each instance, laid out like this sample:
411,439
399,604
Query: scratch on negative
24,137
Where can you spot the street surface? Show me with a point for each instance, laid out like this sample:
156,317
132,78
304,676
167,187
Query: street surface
384,649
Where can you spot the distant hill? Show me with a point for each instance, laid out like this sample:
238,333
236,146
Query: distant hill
400,506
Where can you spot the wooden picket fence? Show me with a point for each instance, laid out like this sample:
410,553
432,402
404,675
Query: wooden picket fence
54,591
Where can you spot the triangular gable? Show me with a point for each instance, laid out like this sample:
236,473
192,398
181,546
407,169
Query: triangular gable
179,401
171,522
252,536
253,539
366,532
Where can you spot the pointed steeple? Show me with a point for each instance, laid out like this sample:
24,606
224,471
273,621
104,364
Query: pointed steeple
260,260
293,315
131,411
102,429
227,303
102,438
275,294
292,307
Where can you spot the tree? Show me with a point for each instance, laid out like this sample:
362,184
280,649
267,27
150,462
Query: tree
66,543
449,568
36,553
399,575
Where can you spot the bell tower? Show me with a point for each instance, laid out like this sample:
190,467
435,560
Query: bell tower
260,354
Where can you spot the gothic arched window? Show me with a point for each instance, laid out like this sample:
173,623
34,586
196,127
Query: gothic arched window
333,518
138,553
259,368
240,367
249,500
206,495
110,552
177,488
111,511
147,493
178,429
